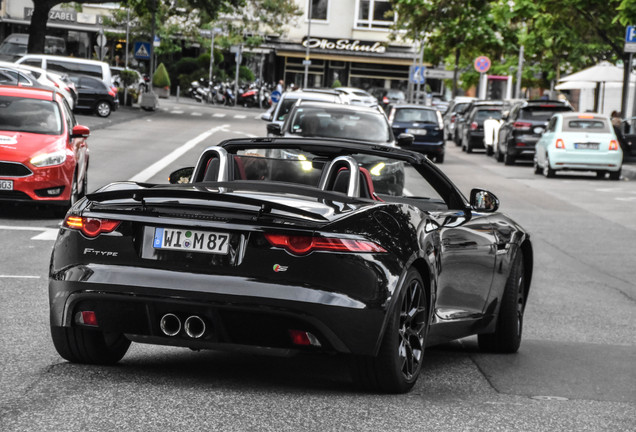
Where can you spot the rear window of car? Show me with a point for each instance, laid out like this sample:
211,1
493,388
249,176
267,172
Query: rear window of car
482,115
586,125
74,68
30,115
541,113
414,115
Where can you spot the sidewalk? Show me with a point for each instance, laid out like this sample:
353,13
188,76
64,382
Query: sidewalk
629,167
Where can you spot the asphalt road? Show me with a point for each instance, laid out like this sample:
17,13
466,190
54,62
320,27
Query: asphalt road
575,370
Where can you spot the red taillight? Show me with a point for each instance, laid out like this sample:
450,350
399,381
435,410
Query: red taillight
87,318
560,144
473,126
453,118
613,145
385,100
522,126
112,92
91,227
302,245
303,338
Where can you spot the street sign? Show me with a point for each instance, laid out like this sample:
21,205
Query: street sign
630,34
275,96
142,50
101,40
630,48
306,62
157,41
438,74
417,74
482,64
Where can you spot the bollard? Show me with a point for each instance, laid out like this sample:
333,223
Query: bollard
178,88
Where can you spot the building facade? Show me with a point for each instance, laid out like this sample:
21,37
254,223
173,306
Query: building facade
348,41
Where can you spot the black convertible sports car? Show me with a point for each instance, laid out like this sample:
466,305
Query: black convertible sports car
291,245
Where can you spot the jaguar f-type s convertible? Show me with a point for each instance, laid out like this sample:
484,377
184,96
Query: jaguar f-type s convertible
292,245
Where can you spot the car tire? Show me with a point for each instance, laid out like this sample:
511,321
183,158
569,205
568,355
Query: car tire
80,345
535,165
469,146
615,175
508,159
548,171
439,158
489,150
500,156
399,361
103,108
509,328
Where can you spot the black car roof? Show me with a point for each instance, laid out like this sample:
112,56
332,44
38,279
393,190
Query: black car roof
430,108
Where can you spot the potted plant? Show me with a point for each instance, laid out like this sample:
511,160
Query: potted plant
161,82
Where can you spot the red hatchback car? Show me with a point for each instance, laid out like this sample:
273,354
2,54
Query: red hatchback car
43,152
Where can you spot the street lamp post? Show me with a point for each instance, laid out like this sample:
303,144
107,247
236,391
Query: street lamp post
307,61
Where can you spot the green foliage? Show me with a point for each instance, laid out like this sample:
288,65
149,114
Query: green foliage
161,78
187,65
245,74
128,77
336,83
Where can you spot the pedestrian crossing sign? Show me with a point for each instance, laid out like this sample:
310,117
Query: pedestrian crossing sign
142,50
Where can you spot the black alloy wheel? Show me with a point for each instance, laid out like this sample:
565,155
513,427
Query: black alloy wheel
399,360
509,328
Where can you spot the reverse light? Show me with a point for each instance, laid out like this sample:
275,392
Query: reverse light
303,245
613,145
560,144
522,126
90,227
49,159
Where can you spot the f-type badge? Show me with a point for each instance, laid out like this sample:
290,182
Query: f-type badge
279,268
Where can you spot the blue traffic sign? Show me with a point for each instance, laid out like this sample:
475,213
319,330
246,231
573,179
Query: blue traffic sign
275,96
417,74
630,34
142,50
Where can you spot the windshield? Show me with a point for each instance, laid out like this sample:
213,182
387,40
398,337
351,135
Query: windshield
541,113
30,116
13,48
336,123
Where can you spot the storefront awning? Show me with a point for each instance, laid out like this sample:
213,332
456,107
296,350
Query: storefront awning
345,57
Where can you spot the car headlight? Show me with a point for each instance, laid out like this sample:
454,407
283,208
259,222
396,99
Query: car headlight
48,159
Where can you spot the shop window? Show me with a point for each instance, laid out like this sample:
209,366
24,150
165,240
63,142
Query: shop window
319,9
374,14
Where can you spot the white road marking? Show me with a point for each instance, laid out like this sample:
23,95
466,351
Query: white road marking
45,233
239,116
170,158
244,134
18,277
219,115
196,114
176,112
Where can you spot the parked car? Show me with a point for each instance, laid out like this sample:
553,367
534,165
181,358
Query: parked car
358,96
579,142
69,66
95,96
277,113
322,266
140,83
472,130
43,151
14,46
461,122
522,128
425,124
48,80
455,108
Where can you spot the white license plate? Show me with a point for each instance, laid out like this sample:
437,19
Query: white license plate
417,131
191,240
586,146
6,184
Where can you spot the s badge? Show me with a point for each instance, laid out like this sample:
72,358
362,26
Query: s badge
279,268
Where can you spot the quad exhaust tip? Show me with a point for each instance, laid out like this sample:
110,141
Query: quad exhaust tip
194,327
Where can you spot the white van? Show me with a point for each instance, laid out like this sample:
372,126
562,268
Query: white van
69,66
14,46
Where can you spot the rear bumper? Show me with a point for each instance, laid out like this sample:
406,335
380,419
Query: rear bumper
584,161
433,148
238,311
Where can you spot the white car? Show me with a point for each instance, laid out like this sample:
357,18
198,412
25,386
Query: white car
48,79
357,96
579,142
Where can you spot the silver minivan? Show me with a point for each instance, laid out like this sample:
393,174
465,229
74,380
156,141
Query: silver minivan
69,66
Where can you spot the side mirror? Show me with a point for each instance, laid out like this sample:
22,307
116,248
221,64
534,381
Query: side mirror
405,140
483,201
267,116
274,129
80,131
182,175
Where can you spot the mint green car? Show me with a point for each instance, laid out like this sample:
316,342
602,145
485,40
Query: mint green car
579,142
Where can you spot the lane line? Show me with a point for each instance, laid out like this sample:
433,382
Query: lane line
48,235
239,116
176,112
18,277
196,114
219,115
170,158
45,233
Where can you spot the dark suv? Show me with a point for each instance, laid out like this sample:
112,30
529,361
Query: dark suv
523,127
